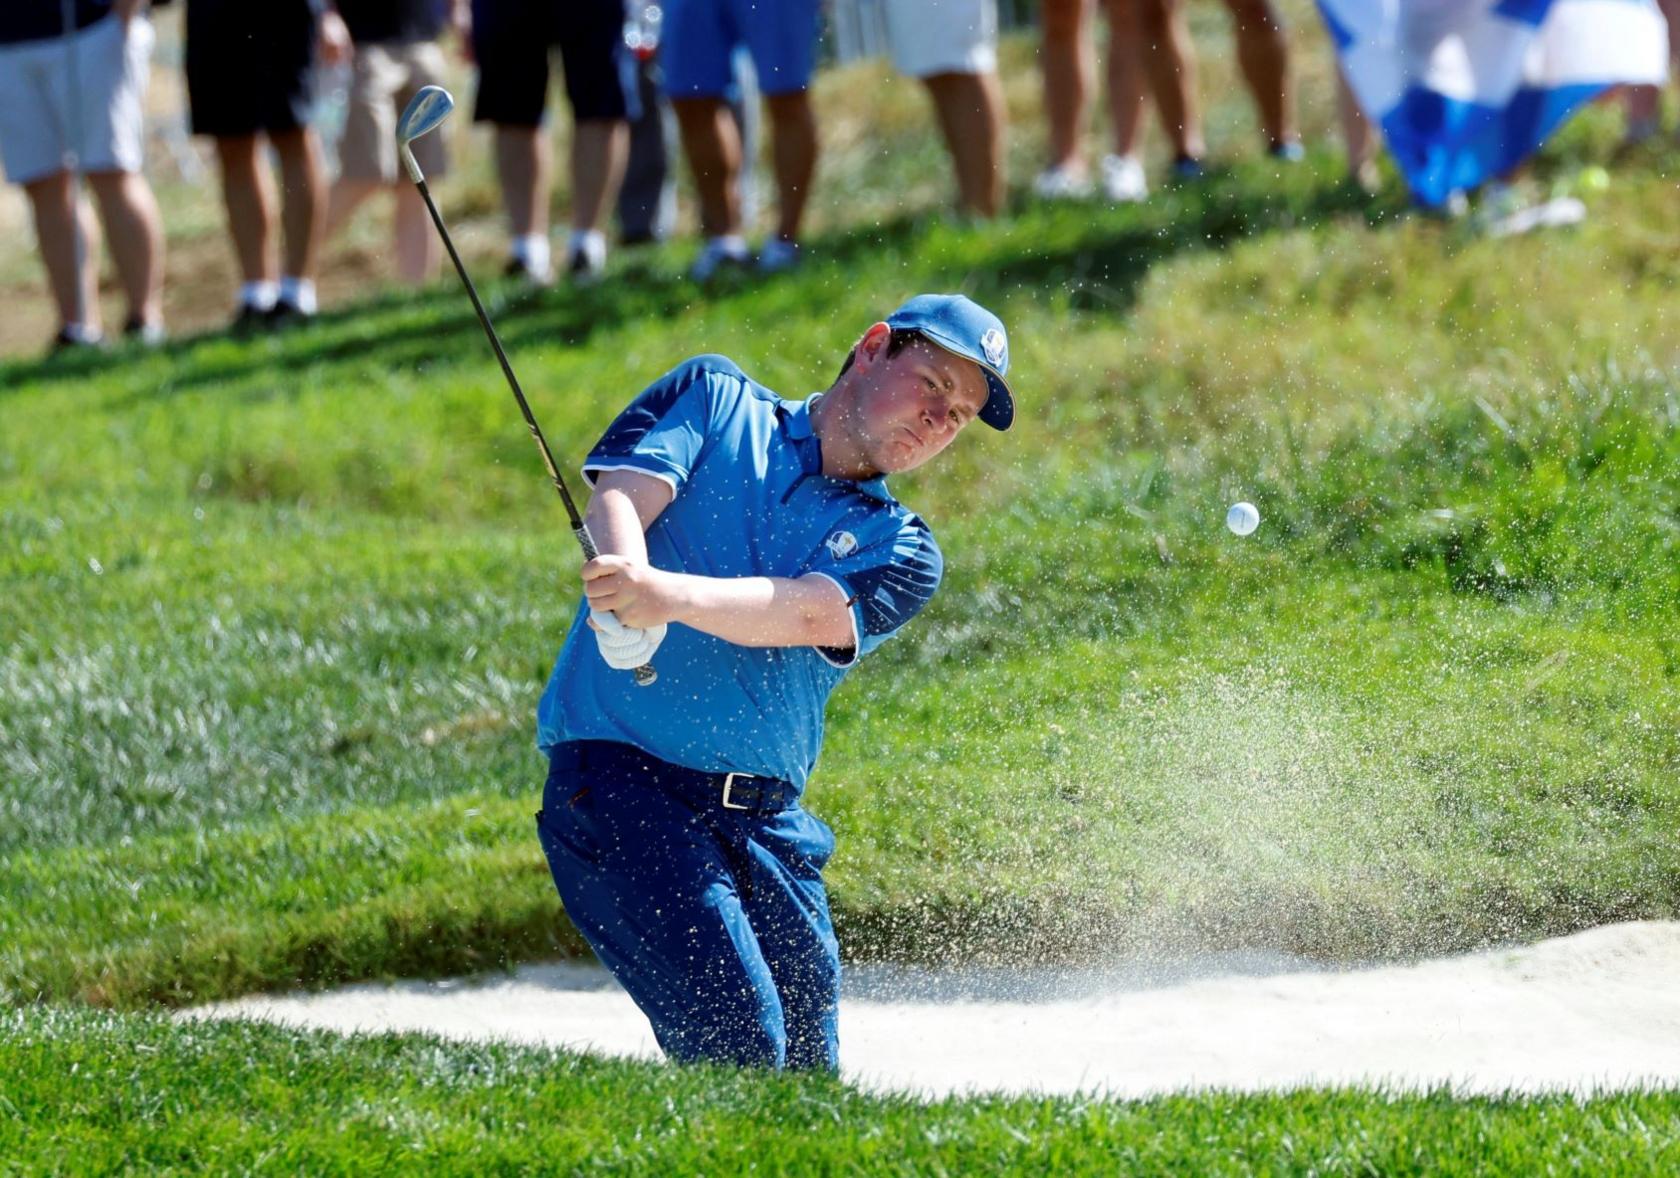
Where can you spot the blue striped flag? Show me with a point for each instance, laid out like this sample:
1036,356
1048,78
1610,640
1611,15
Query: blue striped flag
1465,90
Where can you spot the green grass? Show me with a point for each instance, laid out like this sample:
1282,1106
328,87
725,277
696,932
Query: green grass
277,614
273,602
93,1093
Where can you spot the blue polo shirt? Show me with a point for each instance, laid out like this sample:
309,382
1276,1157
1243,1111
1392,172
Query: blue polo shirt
751,501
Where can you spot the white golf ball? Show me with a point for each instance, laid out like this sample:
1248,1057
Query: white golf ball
1243,518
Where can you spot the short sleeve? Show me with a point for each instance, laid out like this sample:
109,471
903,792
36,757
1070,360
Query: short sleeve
662,431
887,584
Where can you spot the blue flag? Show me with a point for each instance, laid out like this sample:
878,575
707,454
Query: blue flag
1465,90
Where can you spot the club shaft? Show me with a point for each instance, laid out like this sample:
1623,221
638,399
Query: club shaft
507,371
645,674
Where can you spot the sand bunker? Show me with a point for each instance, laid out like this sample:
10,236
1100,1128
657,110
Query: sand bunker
1599,1009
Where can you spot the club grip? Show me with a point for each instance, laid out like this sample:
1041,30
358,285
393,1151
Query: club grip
645,674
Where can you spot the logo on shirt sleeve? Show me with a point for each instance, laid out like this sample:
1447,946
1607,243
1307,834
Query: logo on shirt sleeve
841,545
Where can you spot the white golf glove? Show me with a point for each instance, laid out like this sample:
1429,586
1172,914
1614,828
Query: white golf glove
625,647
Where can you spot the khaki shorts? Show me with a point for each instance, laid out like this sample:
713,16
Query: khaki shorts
384,77
929,37
36,108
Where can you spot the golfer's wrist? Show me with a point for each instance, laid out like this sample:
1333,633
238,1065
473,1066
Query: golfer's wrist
684,597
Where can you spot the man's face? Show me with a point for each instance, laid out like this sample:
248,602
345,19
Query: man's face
910,406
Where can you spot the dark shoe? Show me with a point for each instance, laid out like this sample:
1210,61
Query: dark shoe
585,265
1289,151
147,335
519,268
250,320
75,340
286,314
1187,169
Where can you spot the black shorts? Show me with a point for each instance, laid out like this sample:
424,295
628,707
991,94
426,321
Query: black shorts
250,65
511,43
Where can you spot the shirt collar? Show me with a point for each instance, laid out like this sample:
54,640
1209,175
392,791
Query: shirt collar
796,420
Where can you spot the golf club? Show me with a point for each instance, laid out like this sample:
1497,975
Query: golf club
424,112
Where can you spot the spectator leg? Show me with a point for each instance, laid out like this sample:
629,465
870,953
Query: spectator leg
524,165
1263,53
1066,56
970,108
713,146
303,205
135,232
347,195
600,148
419,248
247,193
1644,103
1171,62
59,215
793,135
1358,134
1126,75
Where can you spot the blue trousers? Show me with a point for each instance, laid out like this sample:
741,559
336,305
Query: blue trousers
715,921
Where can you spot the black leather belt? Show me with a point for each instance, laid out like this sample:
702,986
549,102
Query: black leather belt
742,793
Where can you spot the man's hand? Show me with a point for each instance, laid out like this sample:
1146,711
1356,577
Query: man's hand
624,647
333,38
460,20
638,594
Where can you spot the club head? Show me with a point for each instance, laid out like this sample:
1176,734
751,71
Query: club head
429,107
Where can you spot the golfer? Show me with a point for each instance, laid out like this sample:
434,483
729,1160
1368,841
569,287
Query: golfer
751,551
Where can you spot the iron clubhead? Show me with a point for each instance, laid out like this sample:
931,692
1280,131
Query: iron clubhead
429,107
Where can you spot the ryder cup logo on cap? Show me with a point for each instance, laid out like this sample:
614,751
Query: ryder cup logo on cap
965,328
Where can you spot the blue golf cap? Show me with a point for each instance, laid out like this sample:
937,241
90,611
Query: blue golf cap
964,328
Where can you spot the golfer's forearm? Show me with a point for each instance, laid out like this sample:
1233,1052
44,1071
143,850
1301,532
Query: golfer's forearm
766,611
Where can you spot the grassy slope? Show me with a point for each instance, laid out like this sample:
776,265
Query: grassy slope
289,603
92,1093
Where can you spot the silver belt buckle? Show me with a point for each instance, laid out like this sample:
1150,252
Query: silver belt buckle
729,784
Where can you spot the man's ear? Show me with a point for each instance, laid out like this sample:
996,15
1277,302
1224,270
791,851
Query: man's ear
873,344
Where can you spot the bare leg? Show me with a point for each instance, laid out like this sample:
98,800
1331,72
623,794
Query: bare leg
247,191
524,164
419,249
345,198
713,146
1066,56
1126,75
57,210
135,232
1358,135
1171,63
793,136
970,109
303,208
1644,103
600,148
1263,53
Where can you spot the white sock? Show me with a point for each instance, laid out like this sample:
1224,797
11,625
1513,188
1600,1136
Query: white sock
299,292
259,295
82,333
587,239
732,244
531,249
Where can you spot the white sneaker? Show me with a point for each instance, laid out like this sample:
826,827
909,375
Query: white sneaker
1061,184
586,258
778,255
717,253
1123,181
